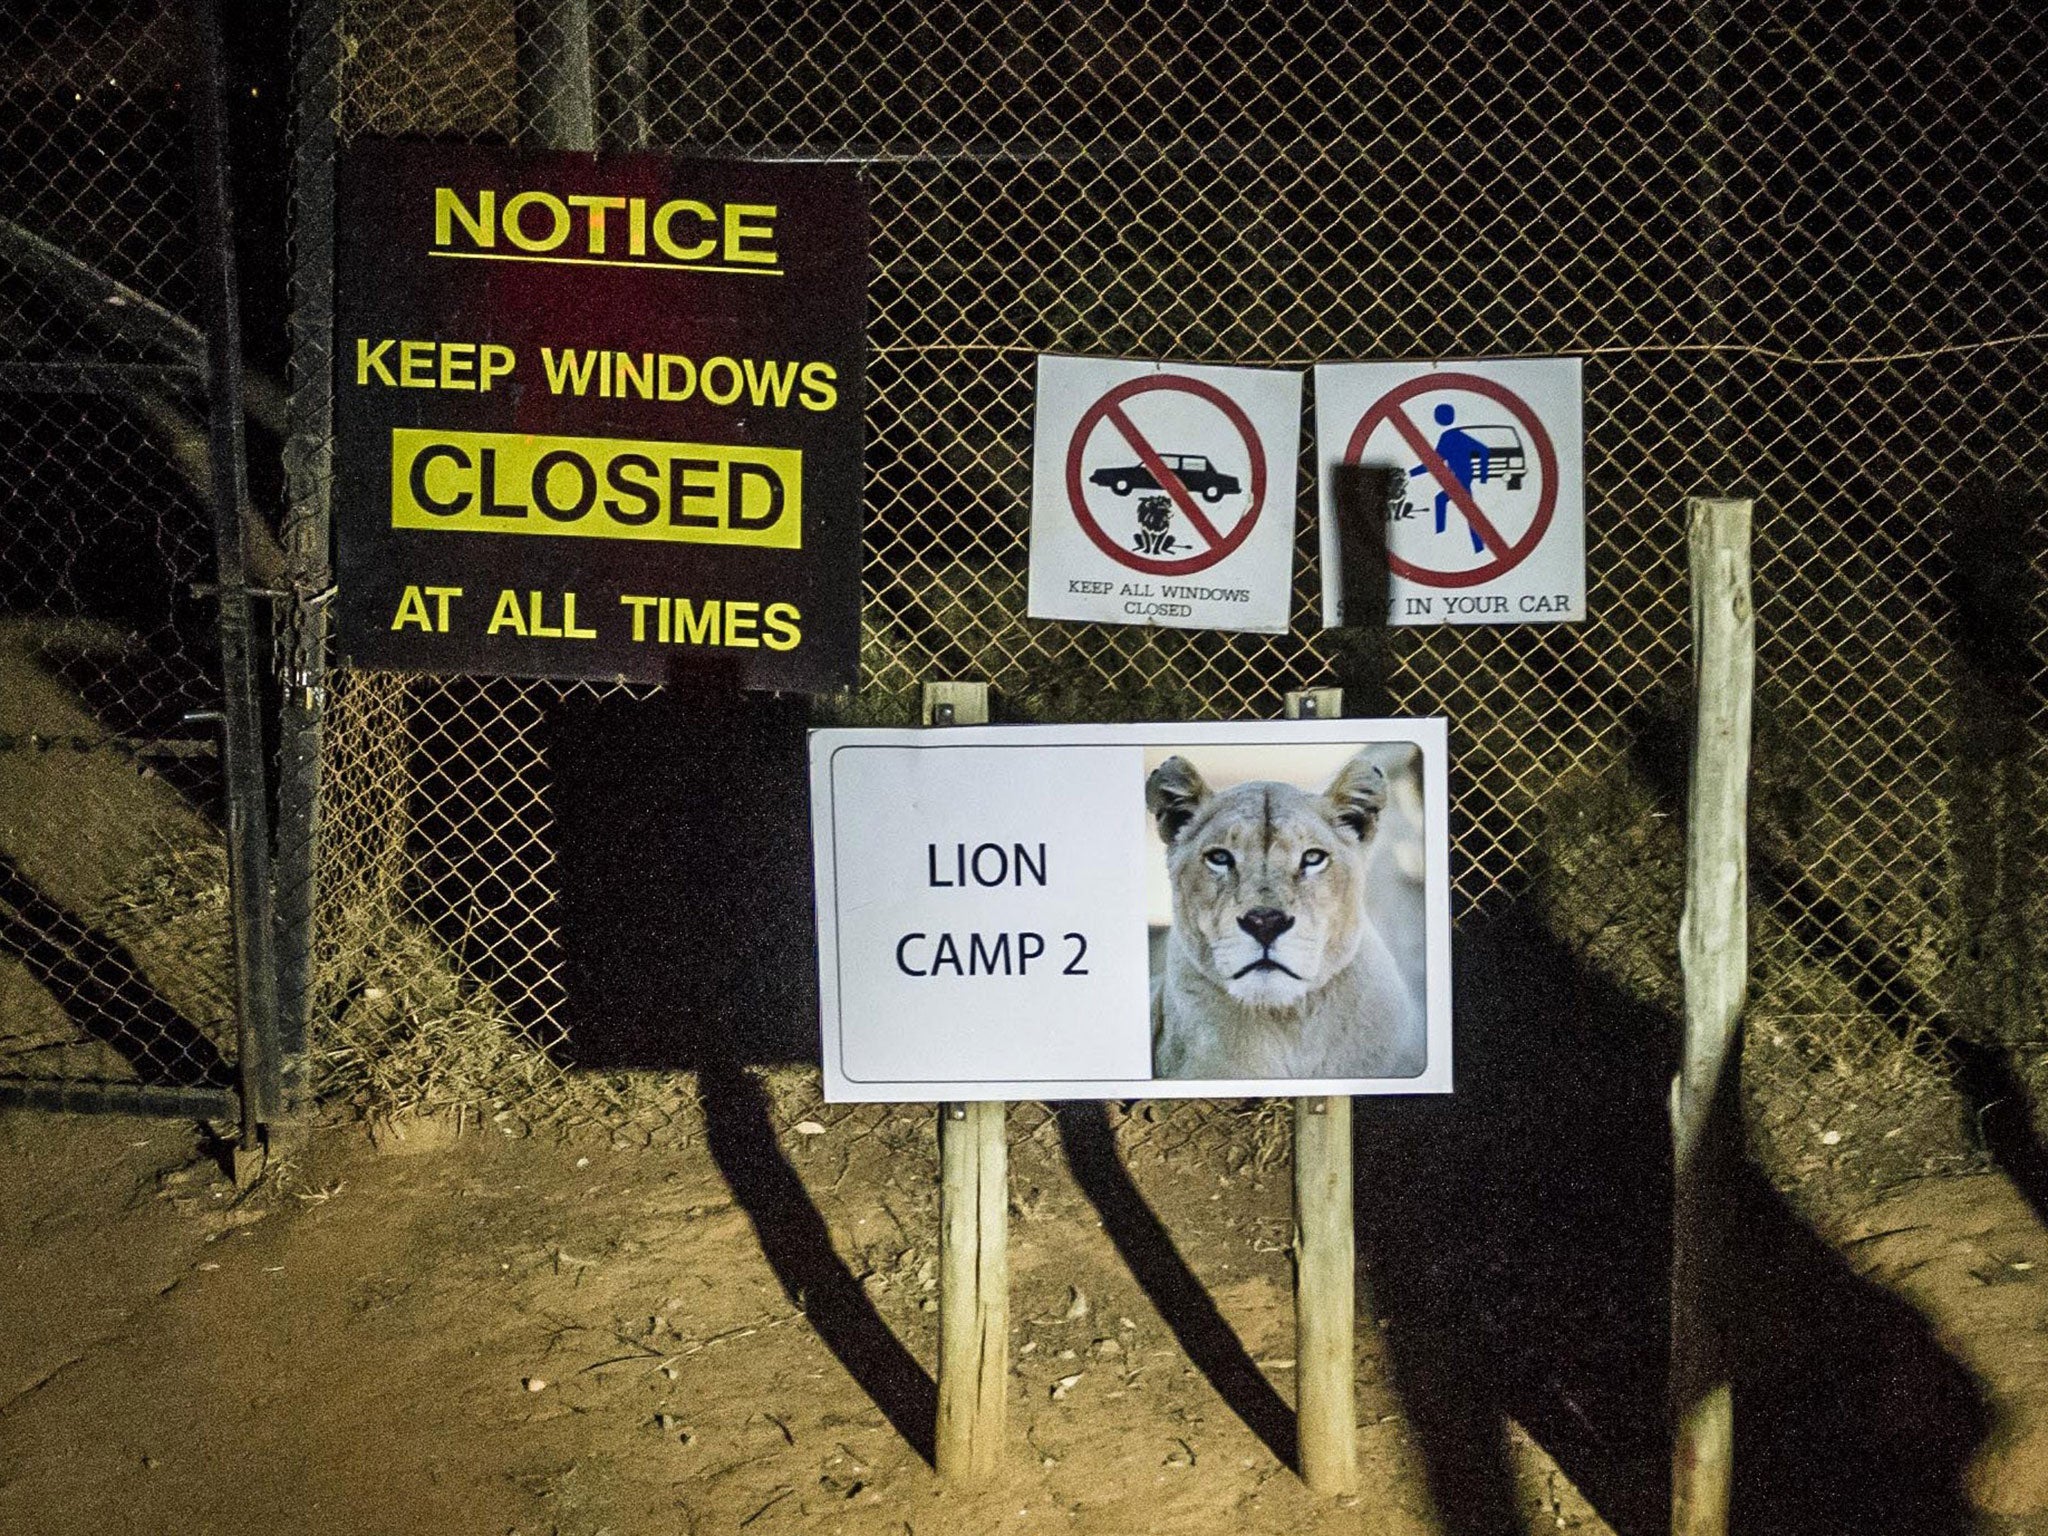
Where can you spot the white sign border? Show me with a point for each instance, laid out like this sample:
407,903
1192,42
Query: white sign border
1429,734
1523,372
1056,538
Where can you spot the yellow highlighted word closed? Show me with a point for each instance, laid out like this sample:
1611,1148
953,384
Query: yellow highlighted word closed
596,488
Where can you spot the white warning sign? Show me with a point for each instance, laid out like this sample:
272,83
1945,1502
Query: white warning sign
1164,494
1485,464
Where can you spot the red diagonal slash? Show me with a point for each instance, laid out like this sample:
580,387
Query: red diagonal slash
1169,482
1461,497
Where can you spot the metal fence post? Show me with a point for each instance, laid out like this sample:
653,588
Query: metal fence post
248,800
974,1236
308,467
1713,954
557,102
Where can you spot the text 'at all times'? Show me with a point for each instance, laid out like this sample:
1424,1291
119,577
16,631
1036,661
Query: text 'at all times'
1003,953
731,623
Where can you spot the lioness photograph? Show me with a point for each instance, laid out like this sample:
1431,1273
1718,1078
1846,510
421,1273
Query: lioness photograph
1288,930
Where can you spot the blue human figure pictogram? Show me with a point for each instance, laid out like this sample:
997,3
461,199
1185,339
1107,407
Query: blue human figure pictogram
1462,453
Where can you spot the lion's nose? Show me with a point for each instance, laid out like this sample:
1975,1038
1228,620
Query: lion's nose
1265,924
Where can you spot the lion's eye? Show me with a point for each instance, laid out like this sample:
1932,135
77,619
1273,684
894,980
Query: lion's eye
1219,859
1315,858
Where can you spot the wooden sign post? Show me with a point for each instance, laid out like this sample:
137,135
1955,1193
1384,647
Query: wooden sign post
1013,866
1713,954
1325,1298
974,1236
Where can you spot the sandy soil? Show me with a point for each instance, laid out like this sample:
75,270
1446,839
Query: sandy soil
503,1334
507,1333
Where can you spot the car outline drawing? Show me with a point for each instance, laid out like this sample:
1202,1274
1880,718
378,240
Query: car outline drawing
1196,473
1505,455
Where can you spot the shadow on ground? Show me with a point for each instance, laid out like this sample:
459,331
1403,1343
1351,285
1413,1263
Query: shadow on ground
739,1128
102,989
688,941
1147,1247
1516,1237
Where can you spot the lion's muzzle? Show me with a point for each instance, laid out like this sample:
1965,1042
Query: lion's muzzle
1265,924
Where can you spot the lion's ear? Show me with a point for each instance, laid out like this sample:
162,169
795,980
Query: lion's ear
1357,795
1173,794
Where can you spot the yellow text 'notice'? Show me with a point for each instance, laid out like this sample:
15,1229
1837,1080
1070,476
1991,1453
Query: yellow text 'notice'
596,488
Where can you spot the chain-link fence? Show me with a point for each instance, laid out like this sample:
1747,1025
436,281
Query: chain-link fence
1801,256
116,979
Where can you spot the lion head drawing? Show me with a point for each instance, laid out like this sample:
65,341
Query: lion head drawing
1268,880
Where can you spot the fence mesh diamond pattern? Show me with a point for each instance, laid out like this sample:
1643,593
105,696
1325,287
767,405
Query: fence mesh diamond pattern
1802,259
114,973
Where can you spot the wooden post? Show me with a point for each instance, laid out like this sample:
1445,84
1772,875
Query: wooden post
1325,1296
1713,954
974,1236
974,1290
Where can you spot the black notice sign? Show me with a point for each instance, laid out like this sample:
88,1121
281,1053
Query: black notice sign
599,417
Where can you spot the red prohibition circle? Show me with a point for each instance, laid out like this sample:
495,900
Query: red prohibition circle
1093,417
1546,461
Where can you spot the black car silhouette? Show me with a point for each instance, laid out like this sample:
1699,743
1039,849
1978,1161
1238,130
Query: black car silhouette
1194,469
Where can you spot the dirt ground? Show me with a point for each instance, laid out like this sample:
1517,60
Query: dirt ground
503,1332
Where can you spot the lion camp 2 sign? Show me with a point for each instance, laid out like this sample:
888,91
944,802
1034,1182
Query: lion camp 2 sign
598,417
1183,910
